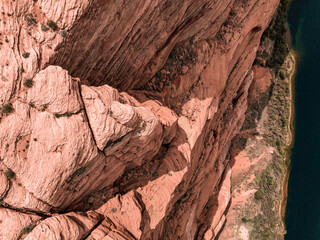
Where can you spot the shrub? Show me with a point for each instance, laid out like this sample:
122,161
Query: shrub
245,220
7,108
52,25
63,33
10,174
67,114
28,83
44,107
258,195
25,54
27,229
30,19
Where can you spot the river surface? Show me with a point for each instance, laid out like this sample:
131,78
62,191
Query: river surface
303,206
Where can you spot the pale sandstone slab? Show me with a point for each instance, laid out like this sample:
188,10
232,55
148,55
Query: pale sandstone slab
65,226
13,223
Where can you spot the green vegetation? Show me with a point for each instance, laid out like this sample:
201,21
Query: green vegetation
245,220
273,53
258,195
6,109
63,33
30,19
25,54
10,174
44,107
113,210
278,115
267,223
277,33
67,114
27,229
28,83
52,25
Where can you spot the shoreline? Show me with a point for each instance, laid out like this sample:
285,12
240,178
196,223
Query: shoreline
287,159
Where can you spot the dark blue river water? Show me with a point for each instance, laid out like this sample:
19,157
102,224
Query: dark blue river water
303,206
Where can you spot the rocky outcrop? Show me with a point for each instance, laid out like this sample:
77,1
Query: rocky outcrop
80,158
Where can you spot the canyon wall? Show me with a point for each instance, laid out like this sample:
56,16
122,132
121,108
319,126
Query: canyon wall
117,116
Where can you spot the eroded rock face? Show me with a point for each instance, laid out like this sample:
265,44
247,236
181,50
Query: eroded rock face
128,41
65,226
79,159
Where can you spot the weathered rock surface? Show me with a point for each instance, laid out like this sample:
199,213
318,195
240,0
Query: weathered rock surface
79,158
14,224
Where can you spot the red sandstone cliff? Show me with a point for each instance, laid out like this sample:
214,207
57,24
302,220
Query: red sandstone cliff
117,116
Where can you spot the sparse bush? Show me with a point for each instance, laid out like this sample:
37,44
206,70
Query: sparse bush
245,220
30,19
277,32
44,107
258,195
25,54
28,83
10,174
52,25
67,114
7,108
27,229
63,33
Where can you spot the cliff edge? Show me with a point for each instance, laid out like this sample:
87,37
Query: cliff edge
117,117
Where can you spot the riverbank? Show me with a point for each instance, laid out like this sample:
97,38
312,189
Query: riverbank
281,33
260,154
279,134
258,157
291,127
291,135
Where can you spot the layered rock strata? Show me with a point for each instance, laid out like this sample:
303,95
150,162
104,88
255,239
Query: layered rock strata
81,158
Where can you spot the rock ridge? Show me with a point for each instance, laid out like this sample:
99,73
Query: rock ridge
117,116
